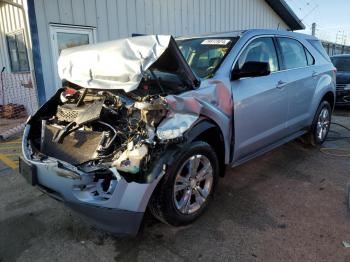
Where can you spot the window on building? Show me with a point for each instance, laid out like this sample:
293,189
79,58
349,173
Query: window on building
68,40
63,37
17,52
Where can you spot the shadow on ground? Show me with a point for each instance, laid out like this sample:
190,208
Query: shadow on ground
287,205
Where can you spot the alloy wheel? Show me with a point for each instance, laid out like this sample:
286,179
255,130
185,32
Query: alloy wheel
323,124
193,184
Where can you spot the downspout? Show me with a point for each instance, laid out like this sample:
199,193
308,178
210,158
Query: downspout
27,40
2,86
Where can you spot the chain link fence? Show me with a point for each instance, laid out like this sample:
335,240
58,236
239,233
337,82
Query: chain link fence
335,49
18,100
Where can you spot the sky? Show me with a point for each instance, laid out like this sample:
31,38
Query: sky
332,18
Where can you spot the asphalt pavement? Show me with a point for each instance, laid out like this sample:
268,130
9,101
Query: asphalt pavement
288,205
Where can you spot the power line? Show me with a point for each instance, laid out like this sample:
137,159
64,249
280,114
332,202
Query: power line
310,12
305,8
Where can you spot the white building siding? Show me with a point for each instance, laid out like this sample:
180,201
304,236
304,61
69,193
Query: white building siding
114,19
10,20
15,87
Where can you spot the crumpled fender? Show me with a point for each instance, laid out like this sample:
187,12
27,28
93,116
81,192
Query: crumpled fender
212,99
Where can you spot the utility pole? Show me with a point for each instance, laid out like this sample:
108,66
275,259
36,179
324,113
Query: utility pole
313,29
343,38
337,36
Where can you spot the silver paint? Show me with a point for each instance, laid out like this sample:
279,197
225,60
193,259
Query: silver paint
252,114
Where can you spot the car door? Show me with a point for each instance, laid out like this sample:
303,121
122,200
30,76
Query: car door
302,78
260,103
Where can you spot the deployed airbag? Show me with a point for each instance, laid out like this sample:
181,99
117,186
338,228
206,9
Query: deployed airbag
118,64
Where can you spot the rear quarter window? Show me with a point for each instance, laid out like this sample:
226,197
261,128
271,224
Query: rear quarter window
310,58
319,47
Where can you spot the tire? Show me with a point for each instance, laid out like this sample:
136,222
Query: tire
169,205
314,138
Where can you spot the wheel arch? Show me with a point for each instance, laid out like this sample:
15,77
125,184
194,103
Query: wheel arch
327,95
204,130
325,91
330,98
209,132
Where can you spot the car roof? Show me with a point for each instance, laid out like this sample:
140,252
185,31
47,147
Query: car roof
254,32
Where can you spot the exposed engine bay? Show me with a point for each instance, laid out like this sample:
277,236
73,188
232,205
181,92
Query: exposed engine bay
95,129
127,110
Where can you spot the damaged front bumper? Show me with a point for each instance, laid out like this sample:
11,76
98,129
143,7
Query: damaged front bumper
118,209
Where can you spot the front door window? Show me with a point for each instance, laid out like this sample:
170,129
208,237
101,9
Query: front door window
260,50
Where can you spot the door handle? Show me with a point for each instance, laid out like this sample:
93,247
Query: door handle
314,73
281,84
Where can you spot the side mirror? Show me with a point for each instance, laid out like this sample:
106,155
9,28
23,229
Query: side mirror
251,69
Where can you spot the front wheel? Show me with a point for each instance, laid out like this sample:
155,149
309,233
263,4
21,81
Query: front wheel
184,192
320,125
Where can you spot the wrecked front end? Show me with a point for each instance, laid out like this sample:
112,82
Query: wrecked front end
96,151
94,144
103,142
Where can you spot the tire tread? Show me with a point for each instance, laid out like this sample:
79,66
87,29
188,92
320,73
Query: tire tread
160,202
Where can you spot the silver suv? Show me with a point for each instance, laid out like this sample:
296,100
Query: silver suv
151,122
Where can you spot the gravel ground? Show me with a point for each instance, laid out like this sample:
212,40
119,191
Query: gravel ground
288,205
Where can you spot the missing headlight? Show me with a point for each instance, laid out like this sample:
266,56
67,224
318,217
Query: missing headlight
101,127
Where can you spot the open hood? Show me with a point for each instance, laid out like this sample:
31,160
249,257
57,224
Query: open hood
121,64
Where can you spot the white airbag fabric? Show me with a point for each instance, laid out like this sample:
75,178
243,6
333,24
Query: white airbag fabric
118,64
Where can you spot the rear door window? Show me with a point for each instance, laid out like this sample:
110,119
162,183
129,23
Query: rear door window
260,50
293,53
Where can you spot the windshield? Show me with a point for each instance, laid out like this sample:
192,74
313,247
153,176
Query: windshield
205,55
341,63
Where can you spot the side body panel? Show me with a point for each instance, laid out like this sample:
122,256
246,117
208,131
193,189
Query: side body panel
324,85
301,87
260,111
306,92
304,88
323,73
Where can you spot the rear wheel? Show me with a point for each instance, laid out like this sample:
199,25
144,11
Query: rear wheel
188,185
320,125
